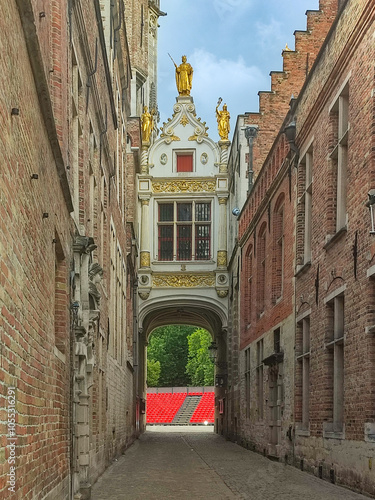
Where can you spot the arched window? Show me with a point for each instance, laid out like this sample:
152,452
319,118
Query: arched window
261,268
278,249
248,288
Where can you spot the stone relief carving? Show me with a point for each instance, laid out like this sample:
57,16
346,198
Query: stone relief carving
182,186
184,280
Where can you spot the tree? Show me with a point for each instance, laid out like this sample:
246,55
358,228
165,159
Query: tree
199,366
169,346
153,373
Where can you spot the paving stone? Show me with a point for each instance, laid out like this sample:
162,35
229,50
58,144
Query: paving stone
200,465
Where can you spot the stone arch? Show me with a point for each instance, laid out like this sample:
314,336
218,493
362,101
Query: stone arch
181,309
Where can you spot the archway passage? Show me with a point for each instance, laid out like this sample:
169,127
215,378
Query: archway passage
190,312
203,315
180,377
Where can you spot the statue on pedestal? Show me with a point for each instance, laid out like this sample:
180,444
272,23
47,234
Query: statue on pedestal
184,76
147,122
222,121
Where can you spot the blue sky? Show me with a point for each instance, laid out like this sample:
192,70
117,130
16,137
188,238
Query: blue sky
231,44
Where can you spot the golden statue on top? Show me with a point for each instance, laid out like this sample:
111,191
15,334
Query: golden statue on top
222,121
184,76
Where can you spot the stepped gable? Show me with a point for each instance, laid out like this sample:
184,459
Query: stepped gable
274,104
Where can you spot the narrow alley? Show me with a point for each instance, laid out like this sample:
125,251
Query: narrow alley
196,464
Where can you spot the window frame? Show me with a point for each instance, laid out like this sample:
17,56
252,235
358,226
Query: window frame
183,152
339,116
177,224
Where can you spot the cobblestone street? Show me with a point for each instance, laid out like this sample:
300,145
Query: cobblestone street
200,465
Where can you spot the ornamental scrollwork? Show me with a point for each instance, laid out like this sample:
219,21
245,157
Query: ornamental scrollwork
184,280
183,186
184,121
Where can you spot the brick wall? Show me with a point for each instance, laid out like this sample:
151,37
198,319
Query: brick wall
35,354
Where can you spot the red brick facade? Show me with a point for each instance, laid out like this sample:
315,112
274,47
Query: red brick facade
69,158
306,277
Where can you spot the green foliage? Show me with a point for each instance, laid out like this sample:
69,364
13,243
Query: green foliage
200,367
169,346
153,373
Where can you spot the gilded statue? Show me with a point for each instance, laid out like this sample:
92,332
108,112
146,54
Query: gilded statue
147,122
184,76
223,121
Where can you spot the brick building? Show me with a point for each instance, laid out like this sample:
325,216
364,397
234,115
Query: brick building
68,240
301,357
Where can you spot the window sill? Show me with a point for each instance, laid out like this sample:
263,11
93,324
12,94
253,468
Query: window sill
330,433
301,432
302,269
333,238
61,356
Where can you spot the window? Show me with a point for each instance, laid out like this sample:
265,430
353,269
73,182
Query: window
247,381
278,250
260,378
339,156
335,346
61,298
248,296
303,368
184,162
305,206
277,340
184,231
261,258
76,95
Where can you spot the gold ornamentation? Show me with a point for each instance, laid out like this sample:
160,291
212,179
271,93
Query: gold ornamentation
184,121
184,280
169,136
223,121
223,201
222,293
147,122
222,258
180,186
145,202
145,259
184,77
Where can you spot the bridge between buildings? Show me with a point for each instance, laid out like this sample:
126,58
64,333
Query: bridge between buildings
182,211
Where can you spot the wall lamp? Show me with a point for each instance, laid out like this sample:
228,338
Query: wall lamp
212,351
370,204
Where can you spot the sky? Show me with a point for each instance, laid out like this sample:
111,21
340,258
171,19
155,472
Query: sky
233,45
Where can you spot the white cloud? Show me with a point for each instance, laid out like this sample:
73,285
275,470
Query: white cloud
232,8
270,34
